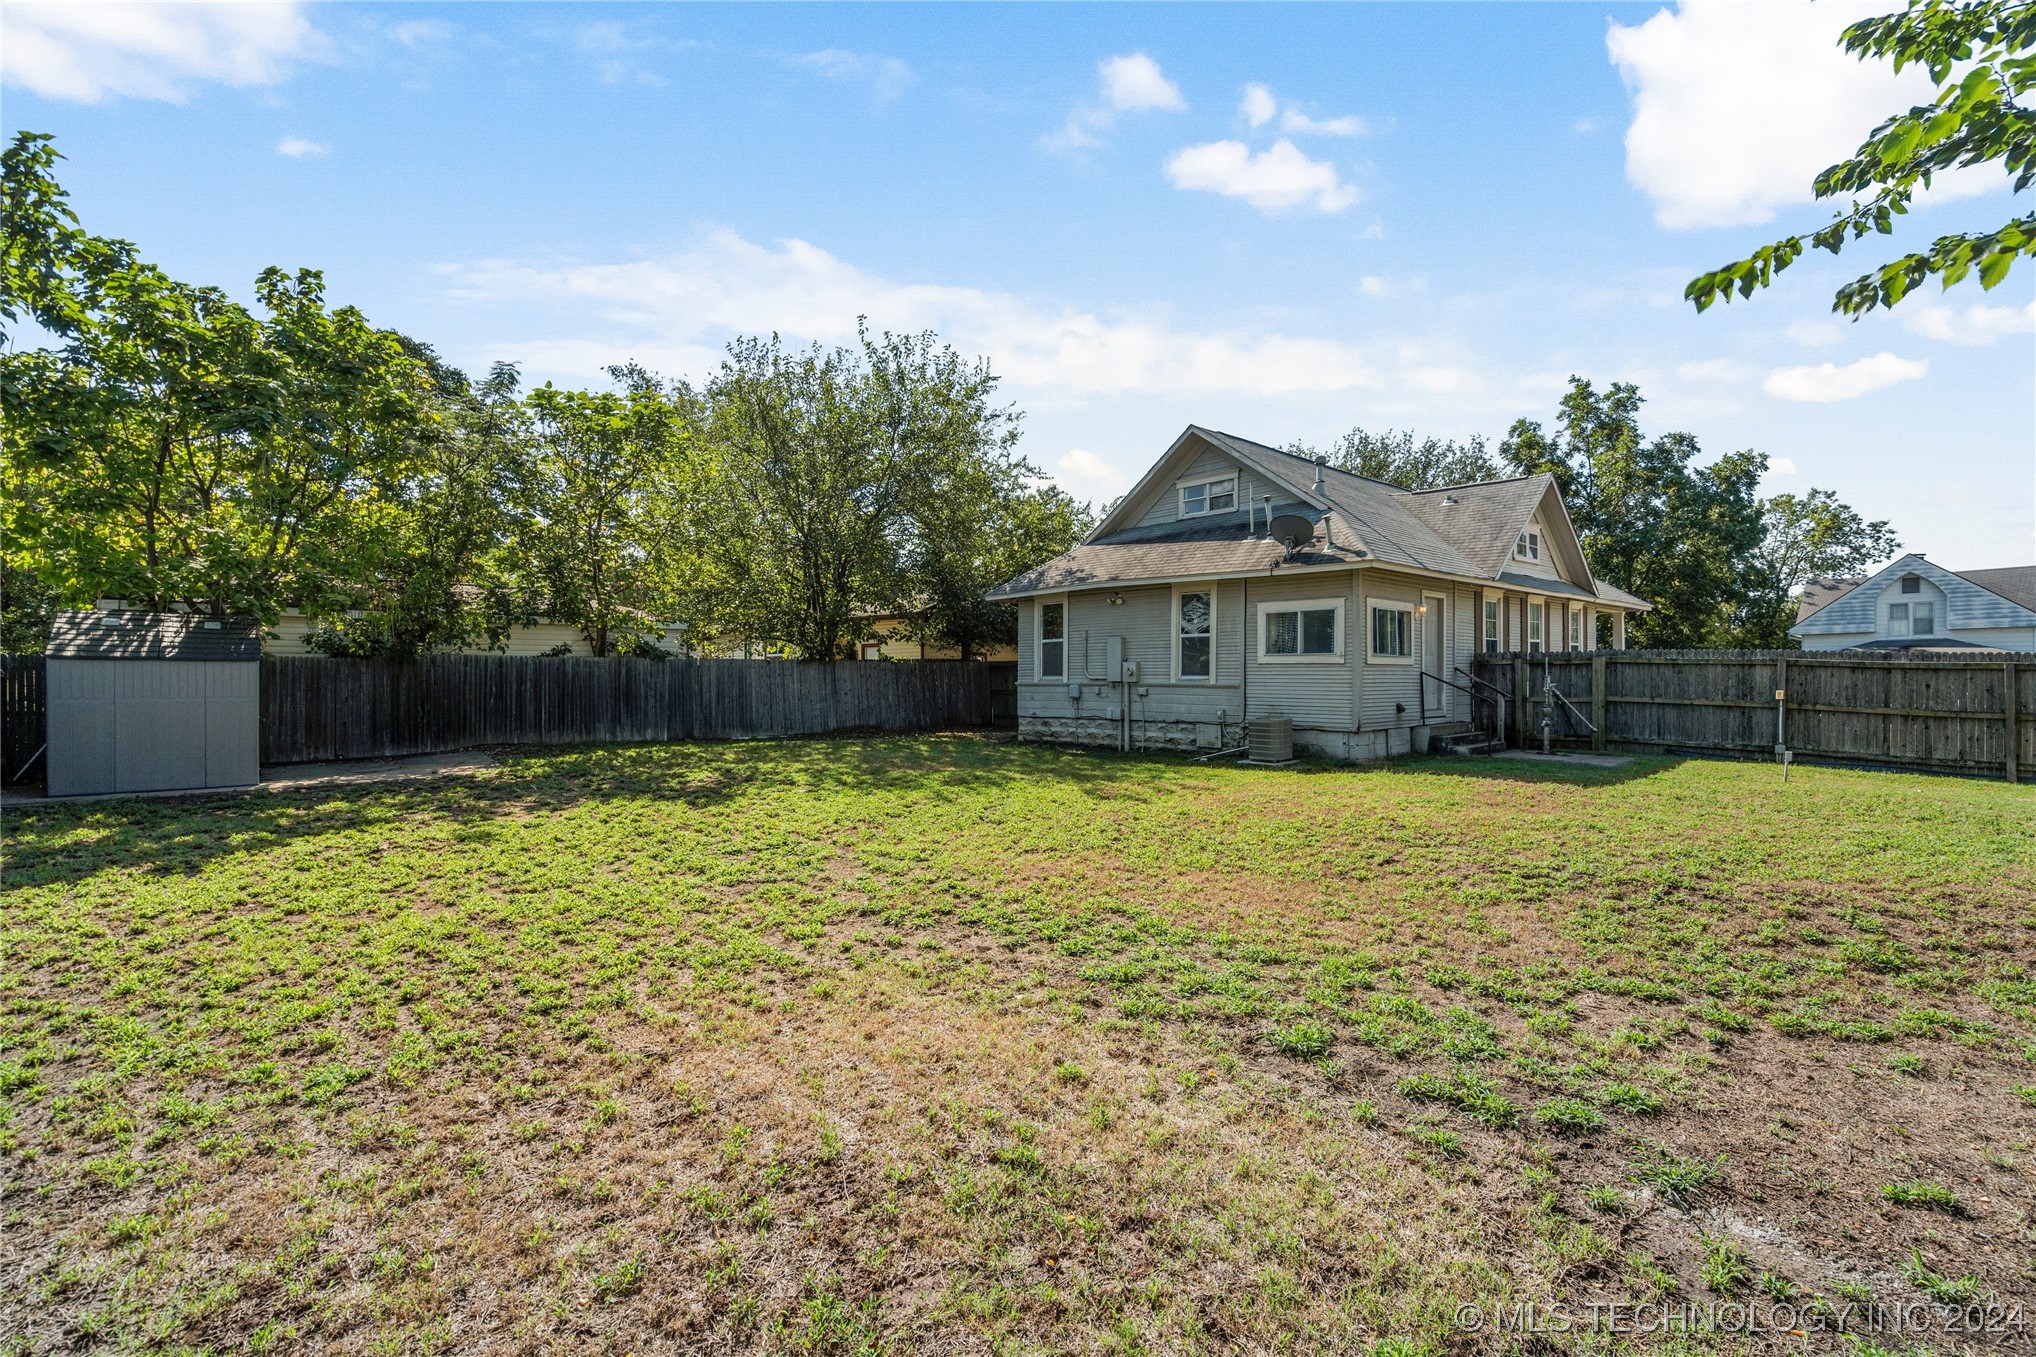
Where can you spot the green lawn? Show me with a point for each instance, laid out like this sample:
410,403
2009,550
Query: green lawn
935,1045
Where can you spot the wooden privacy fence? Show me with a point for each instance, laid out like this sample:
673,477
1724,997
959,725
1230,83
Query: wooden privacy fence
24,716
1940,711
350,709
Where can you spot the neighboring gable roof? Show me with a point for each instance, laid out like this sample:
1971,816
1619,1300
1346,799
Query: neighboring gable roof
1968,605
2016,583
1822,593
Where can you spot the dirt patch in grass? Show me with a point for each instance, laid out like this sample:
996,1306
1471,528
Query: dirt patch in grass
943,1046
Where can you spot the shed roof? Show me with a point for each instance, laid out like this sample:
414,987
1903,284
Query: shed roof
88,635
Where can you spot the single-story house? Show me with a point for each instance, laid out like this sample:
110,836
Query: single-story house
1915,604
1240,582
892,643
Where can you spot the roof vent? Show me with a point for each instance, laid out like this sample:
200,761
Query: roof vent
1320,462
1449,501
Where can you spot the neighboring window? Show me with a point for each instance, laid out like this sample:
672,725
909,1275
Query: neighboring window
1528,548
1898,619
1926,618
1534,628
873,650
1053,640
1576,626
1392,631
1491,626
1197,626
1300,631
1209,497
1911,585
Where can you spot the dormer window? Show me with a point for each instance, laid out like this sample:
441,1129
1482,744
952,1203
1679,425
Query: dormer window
1528,548
1208,497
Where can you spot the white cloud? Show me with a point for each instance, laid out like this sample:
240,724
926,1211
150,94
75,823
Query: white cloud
1258,105
1976,324
674,312
1135,84
416,33
298,147
1371,285
1301,124
1737,106
887,77
1781,466
1125,84
1814,334
1272,180
87,52
1829,382
1086,476
1583,127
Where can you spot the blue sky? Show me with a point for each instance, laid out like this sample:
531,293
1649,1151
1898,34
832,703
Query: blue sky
1278,221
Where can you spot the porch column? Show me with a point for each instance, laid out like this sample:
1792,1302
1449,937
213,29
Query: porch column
1619,630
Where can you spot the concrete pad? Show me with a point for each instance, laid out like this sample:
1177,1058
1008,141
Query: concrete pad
1573,760
296,776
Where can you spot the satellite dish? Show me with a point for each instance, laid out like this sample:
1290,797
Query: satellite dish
1292,530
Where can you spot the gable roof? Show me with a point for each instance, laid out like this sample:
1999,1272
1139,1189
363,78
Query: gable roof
1465,531
2016,583
89,635
1968,603
1821,593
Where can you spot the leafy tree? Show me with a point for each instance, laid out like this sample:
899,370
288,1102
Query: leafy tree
1975,52
601,472
818,461
1394,457
1682,536
985,522
1805,537
172,447
27,607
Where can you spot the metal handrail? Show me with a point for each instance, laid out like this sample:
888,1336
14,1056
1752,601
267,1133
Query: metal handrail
1451,682
1497,691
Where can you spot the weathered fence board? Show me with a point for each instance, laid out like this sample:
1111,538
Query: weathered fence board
347,709
24,715
1944,712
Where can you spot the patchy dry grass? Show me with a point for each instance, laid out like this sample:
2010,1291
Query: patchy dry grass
936,1045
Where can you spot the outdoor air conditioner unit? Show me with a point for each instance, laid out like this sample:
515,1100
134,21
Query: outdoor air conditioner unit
1271,739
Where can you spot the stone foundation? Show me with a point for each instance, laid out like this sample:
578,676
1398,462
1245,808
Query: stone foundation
1104,732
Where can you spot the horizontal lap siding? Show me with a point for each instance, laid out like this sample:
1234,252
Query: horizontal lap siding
1317,696
1166,504
1385,687
338,709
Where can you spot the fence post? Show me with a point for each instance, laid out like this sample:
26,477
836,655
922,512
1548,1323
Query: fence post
1521,725
2014,730
1597,702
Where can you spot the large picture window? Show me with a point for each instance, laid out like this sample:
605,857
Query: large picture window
1053,640
1195,623
1492,642
1208,497
1392,632
1308,630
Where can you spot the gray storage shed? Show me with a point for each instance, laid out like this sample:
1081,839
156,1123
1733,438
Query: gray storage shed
144,702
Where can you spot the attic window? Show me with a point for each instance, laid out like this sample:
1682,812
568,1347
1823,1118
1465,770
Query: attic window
1911,585
1528,548
1208,497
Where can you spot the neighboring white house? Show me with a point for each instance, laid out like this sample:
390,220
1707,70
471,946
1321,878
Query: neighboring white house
1355,625
1917,605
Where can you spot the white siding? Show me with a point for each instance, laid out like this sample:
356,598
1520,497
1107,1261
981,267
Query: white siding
1322,696
1385,686
1166,503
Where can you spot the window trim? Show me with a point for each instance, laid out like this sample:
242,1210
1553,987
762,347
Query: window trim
1528,546
1373,607
1917,610
1535,636
1039,674
1303,605
1577,622
1182,487
1491,625
1174,623
1903,627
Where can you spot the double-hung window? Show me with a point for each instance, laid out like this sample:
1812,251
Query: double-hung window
1053,640
1898,619
1392,632
1208,497
1301,631
1491,637
1534,612
1194,638
1925,618
1576,626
